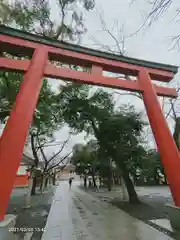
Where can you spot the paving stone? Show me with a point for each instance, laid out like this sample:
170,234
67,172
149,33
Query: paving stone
81,216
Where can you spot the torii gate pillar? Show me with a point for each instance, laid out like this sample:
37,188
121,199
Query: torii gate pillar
166,145
41,49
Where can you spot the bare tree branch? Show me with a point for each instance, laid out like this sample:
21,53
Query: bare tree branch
61,149
60,161
60,29
99,44
34,150
172,108
163,5
42,151
158,8
119,43
138,95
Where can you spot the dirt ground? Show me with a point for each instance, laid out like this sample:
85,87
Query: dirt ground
34,218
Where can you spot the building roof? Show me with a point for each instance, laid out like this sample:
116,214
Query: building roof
70,167
26,160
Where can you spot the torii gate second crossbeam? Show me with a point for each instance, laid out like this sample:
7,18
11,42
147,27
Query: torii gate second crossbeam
39,51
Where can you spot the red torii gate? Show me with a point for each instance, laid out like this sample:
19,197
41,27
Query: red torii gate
40,50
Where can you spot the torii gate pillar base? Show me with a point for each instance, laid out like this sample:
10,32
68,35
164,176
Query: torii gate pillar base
6,225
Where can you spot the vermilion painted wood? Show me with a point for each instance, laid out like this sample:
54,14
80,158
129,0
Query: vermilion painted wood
87,60
97,70
68,74
15,133
165,92
11,64
108,65
95,78
169,153
84,77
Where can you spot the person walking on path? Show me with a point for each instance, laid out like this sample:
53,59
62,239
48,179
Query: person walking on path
98,184
70,182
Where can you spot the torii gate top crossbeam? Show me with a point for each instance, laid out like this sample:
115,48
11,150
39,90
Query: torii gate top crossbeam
23,44
79,49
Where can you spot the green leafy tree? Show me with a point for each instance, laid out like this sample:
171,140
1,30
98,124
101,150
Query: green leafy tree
36,16
81,108
117,132
85,111
152,169
123,129
85,158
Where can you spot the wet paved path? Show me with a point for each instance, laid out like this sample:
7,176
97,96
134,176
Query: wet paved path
77,215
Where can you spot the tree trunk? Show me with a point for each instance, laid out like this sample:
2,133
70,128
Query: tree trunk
54,179
176,134
46,182
133,197
109,183
93,179
34,151
124,190
34,184
43,183
119,180
85,181
114,182
156,177
165,180
28,194
100,180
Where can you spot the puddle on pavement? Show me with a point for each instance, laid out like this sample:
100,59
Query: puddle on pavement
89,224
81,211
94,213
42,213
78,207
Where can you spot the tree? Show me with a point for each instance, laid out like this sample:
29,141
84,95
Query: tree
50,166
151,170
95,114
47,117
116,33
79,159
52,162
85,109
123,129
81,108
36,16
158,9
85,158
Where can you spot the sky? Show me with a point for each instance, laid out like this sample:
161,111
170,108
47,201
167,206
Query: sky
153,44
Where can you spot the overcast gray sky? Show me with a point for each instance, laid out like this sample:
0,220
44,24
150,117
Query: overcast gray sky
153,44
